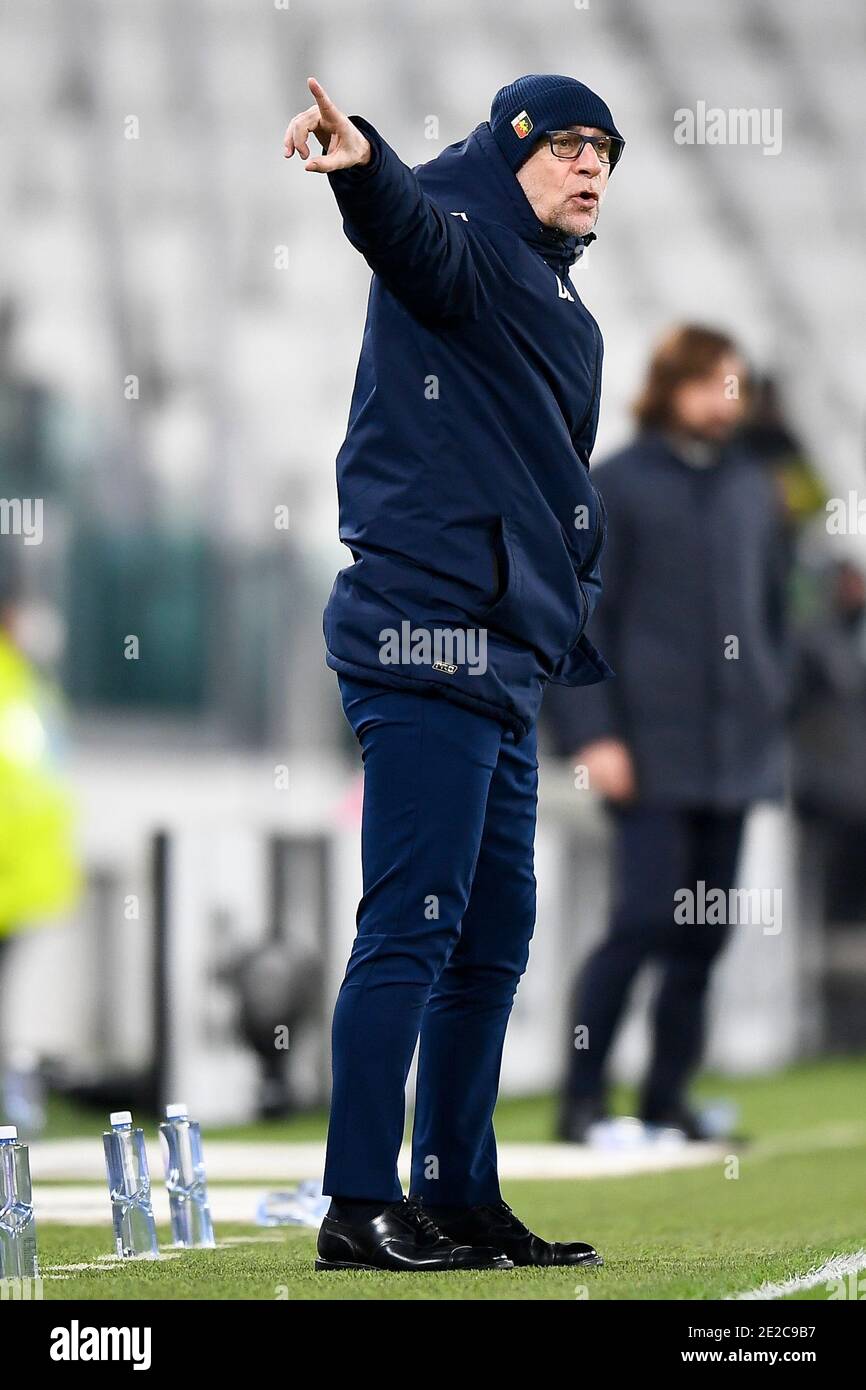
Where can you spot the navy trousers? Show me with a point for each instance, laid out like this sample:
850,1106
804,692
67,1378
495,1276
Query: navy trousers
444,926
656,851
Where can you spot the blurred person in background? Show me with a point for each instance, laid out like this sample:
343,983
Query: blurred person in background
829,724
689,734
829,789
769,435
466,503
39,871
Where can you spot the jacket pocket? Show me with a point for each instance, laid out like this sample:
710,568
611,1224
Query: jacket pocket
600,534
588,573
540,601
507,601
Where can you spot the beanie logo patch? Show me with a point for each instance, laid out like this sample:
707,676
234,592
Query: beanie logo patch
522,126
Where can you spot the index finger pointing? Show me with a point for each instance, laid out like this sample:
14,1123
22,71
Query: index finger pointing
323,101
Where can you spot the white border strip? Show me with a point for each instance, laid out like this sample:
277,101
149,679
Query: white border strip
837,1267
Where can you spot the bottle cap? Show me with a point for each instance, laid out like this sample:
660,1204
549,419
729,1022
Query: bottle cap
176,1110
8,1131
120,1117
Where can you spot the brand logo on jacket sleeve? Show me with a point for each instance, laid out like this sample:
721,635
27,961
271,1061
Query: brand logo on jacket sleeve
522,125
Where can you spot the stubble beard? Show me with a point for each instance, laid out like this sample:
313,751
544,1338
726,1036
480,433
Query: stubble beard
576,223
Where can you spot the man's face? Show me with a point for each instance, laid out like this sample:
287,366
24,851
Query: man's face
565,193
711,406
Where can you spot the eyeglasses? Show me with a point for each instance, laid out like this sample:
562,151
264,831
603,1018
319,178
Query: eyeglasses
568,144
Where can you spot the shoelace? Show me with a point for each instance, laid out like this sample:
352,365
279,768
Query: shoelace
502,1210
421,1220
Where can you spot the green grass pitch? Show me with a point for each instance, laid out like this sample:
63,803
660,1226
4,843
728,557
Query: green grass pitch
692,1234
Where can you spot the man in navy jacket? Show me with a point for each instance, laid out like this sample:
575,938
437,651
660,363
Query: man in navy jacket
475,533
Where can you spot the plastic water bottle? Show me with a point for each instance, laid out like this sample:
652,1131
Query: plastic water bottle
303,1205
185,1178
129,1186
17,1226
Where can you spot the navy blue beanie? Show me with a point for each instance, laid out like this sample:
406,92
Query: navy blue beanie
540,102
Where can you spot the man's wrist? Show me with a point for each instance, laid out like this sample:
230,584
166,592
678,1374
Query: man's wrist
363,170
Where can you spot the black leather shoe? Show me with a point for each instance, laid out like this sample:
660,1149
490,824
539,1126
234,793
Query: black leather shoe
400,1237
688,1122
498,1226
691,1124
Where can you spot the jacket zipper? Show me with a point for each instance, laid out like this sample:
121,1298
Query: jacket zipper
593,395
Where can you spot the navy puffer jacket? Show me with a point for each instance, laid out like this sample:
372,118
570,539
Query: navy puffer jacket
463,481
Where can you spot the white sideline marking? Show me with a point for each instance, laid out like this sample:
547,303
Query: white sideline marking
72,1164
832,1136
85,1264
73,1204
110,1261
837,1267
248,1240
103,1262
276,1165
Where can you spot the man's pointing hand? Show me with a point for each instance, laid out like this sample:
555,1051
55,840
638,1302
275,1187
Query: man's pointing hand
343,145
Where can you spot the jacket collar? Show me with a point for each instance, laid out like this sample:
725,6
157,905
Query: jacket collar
473,176
555,246
697,453
693,454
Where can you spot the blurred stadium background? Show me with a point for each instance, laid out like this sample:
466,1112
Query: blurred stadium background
180,323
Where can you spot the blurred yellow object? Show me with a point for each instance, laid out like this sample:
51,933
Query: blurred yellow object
39,875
